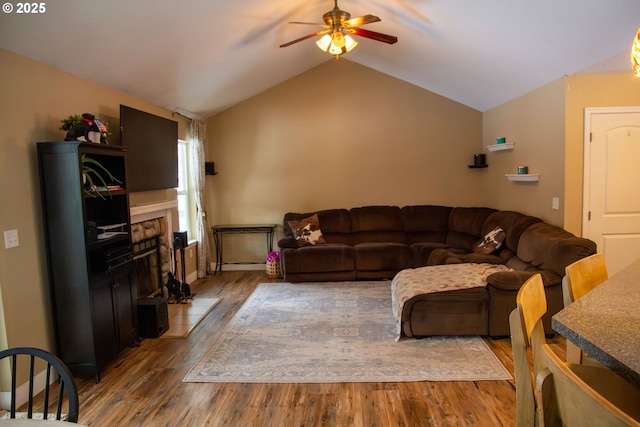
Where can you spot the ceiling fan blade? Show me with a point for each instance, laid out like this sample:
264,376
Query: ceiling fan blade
373,35
361,20
308,36
309,23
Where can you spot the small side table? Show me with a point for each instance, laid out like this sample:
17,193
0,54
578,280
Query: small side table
220,230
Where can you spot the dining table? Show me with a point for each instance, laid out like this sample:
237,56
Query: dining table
605,323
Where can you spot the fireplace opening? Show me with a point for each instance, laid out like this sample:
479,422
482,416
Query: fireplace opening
151,254
148,267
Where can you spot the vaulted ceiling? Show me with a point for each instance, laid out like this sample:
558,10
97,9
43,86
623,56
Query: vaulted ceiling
200,57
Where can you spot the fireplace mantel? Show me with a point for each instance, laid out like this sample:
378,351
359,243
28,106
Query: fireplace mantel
153,210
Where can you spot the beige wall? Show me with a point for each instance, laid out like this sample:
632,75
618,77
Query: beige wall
535,122
34,99
339,135
583,91
548,127
191,263
398,134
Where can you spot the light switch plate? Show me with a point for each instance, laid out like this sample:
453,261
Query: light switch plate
11,239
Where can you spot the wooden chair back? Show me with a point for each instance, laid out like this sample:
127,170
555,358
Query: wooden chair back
565,399
532,303
67,392
526,328
581,277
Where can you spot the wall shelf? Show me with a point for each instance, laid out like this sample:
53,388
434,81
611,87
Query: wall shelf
523,177
477,167
500,147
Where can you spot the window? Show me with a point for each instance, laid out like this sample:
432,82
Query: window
184,205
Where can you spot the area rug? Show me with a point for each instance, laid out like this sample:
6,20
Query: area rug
334,332
183,318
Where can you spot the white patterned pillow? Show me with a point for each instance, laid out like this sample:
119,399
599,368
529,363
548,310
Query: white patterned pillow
491,242
307,230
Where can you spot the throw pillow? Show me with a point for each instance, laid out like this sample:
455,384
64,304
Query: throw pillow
491,242
307,230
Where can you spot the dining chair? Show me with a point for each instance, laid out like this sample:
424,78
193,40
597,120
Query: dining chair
566,399
56,370
581,277
527,332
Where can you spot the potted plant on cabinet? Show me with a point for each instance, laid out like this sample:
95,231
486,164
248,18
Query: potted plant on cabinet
91,169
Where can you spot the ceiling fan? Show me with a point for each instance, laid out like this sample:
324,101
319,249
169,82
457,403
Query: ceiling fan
337,30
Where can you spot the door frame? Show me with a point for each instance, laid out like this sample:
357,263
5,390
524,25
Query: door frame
586,161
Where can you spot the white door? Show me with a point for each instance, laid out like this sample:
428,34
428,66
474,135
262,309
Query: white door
612,184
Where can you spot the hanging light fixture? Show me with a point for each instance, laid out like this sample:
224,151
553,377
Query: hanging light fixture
338,28
635,55
336,43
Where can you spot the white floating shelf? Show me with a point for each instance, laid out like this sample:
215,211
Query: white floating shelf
523,176
500,147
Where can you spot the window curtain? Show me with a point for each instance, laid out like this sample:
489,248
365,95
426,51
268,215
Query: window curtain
197,184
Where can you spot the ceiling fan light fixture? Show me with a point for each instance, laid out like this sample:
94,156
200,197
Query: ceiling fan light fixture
337,30
635,55
336,43
349,43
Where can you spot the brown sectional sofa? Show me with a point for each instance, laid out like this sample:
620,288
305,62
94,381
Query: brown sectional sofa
376,242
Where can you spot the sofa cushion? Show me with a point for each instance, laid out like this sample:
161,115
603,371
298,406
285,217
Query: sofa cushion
513,280
322,258
377,224
513,224
425,223
385,256
334,223
460,256
420,252
465,226
307,230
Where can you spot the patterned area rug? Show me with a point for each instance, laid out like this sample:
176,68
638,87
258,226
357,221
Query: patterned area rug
334,332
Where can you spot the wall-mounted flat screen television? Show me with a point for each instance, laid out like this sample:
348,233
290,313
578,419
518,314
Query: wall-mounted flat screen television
152,160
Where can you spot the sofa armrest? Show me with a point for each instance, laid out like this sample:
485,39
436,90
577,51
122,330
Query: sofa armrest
460,256
442,256
481,258
288,242
513,280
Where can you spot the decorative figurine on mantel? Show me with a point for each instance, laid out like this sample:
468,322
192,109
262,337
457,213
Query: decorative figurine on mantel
85,128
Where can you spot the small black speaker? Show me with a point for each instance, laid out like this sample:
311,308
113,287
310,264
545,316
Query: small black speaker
209,168
182,237
153,317
479,159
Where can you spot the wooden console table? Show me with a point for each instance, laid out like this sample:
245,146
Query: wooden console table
220,230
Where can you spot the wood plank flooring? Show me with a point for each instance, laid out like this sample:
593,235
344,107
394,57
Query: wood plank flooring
144,387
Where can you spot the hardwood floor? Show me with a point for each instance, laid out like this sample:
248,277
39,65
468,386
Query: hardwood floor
144,387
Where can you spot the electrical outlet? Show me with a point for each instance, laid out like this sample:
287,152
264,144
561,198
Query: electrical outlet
11,239
555,203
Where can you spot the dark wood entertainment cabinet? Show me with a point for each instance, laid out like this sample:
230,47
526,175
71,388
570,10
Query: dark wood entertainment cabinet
88,246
